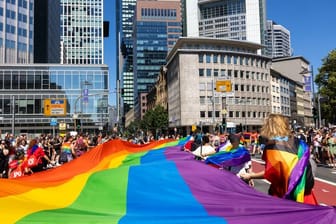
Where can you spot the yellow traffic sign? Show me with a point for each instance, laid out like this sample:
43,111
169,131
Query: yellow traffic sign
55,107
46,106
223,86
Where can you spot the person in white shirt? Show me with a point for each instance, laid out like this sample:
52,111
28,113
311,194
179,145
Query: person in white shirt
205,150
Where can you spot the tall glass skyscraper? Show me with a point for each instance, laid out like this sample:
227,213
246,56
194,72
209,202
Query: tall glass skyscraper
47,36
158,26
16,31
127,76
82,32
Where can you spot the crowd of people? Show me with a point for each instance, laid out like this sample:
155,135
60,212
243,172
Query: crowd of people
286,152
21,155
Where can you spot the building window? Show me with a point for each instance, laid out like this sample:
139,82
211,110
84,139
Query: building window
229,73
208,72
208,58
216,72
215,58
230,113
209,113
235,60
223,72
217,114
201,72
202,100
202,114
237,114
222,59
200,58
228,59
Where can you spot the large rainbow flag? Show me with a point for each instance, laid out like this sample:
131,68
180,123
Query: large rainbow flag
119,182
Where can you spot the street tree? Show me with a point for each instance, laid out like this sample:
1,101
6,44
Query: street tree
326,83
155,120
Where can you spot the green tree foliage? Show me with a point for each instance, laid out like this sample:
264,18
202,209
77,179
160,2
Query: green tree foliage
326,82
155,121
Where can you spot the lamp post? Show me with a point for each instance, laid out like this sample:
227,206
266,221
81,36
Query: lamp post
245,102
84,97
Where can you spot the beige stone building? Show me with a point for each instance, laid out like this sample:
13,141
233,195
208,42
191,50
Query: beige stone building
195,65
293,68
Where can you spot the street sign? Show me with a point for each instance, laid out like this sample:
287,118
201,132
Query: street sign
224,94
62,126
55,107
53,122
223,86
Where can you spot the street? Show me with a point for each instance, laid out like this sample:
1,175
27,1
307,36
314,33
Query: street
325,185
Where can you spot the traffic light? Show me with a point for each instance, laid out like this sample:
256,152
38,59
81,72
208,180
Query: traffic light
78,123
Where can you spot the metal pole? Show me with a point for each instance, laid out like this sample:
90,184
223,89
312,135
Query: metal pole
13,115
319,110
313,90
213,105
245,115
81,106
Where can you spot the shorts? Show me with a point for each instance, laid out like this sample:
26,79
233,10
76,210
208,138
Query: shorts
332,149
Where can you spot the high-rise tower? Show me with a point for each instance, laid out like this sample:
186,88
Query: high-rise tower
226,19
158,26
82,32
126,72
277,40
47,33
16,31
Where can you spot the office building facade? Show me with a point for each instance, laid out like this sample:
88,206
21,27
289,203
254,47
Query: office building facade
227,19
293,68
278,43
126,77
47,36
25,89
157,27
194,67
16,31
82,32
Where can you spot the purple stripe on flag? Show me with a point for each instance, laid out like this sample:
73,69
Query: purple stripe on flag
223,194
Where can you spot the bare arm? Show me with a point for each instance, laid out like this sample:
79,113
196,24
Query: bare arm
249,176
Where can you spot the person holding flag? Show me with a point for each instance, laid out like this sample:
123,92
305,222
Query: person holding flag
287,164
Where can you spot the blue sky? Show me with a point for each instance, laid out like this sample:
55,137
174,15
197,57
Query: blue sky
312,25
